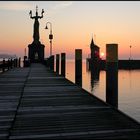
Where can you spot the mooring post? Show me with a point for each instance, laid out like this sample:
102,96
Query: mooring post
25,61
78,67
57,63
16,62
63,64
19,61
48,62
52,62
112,74
3,68
8,64
11,63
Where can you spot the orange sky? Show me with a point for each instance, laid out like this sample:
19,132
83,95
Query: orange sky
73,24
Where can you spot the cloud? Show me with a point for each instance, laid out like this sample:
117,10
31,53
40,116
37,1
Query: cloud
58,7
22,6
62,5
16,6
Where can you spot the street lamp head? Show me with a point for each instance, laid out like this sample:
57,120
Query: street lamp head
50,36
46,27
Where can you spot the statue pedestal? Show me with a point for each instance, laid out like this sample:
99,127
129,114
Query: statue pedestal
36,52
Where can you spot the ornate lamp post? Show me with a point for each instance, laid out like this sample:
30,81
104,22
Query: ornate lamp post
50,36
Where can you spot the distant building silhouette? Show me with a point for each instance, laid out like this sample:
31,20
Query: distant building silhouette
94,60
93,63
95,51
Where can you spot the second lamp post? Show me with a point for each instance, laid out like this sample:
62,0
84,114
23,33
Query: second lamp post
50,36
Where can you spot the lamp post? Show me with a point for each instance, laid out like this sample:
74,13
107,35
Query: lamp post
50,36
130,52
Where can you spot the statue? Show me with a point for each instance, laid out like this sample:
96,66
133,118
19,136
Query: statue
36,49
36,24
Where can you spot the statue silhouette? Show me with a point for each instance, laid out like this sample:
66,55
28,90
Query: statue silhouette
36,24
36,49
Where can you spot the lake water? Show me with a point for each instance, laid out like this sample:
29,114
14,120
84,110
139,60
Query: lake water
128,87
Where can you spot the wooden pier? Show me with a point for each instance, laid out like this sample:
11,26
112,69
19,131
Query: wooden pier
36,103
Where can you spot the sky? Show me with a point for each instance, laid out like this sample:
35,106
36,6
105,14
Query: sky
74,23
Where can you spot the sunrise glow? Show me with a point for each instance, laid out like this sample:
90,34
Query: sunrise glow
102,54
73,24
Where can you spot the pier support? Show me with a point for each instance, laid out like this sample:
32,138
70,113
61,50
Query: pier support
78,67
112,74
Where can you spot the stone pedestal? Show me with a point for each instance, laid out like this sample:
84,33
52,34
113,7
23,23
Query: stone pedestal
36,52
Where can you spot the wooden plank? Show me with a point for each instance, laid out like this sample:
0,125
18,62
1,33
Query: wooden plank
11,85
53,107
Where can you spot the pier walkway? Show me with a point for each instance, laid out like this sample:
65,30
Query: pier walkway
36,103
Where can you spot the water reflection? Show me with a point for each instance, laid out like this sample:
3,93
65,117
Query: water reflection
111,95
128,87
94,73
130,78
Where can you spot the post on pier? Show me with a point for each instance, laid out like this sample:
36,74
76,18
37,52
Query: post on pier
3,68
63,64
78,67
57,63
112,74
52,62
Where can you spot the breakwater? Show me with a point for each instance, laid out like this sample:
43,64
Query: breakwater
122,64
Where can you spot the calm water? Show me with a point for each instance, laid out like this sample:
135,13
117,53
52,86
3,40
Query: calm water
128,87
